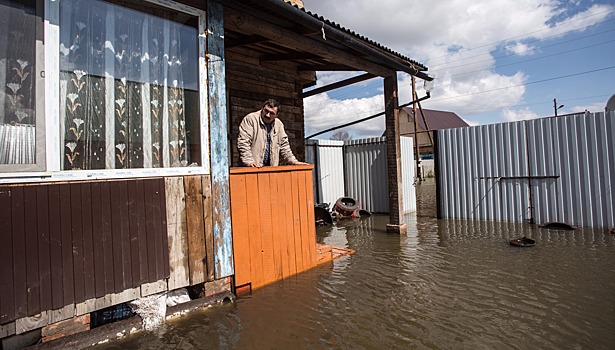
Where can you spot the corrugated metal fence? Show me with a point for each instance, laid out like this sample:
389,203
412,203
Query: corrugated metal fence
358,169
543,170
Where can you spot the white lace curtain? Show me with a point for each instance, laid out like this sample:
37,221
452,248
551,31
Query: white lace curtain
122,97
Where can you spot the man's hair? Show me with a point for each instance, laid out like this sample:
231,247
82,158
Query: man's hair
273,104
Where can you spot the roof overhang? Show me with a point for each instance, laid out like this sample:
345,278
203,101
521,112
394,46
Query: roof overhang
285,32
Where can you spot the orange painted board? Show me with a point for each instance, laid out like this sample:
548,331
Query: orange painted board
309,200
277,206
296,223
266,229
254,228
239,220
306,245
290,225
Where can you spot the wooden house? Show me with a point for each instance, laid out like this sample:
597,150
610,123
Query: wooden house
118,122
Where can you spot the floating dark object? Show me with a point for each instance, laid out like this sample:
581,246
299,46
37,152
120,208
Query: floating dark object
612,231
346,206
322,216
364,214
522,242
557,226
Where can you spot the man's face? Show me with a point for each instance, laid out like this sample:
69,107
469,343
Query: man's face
268,114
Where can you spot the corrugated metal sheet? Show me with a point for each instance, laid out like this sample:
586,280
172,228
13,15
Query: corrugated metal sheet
328,159
358,169
407,173
544,170
366,173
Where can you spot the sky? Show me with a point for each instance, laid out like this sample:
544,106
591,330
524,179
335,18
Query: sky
493,61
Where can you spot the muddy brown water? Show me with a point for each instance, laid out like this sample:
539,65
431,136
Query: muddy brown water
447,284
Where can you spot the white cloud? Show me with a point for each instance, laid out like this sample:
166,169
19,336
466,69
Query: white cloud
512,115
592,108
520,49
456,39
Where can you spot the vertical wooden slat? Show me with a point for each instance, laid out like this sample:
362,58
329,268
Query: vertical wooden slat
310,221
77,242
266,232
116,232
125,233
296,222
138,207
241,239
196,228
209,229
278,241
7,293
290,225
19,253
133,224
177,233
55,246
88,241
305,244
254,228
165,237
31,239
107,225
98,240
162,254
68,286
282,223
150,226
44,261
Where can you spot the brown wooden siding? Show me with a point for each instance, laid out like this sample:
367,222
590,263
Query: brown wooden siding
62,244
274,234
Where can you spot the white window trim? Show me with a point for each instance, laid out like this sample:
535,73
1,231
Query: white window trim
54,149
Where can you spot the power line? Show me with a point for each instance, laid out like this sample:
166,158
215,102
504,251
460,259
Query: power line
530,83
534,32
513,54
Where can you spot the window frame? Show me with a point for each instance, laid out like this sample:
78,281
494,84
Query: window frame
40,131
50,157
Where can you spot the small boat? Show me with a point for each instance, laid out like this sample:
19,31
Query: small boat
522,242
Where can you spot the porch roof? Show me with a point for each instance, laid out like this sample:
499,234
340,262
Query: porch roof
285,32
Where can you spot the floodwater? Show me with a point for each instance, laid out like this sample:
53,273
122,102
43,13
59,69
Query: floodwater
447,284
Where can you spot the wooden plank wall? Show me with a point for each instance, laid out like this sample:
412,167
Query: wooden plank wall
65,243
274,235
189,227
251,81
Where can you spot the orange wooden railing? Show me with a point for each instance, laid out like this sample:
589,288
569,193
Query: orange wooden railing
274,234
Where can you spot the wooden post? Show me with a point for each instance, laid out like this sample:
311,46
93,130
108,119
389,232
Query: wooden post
396,205
221,215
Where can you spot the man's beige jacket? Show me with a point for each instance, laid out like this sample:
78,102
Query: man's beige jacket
253,137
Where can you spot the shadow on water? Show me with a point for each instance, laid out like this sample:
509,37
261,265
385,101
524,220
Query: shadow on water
447,284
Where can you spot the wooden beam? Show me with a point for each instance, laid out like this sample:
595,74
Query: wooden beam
242,22
325,68
221,208
337,85
244,41
289,57
396,205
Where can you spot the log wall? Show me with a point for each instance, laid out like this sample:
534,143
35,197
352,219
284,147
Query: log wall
250,82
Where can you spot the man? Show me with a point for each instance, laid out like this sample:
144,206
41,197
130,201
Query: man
262,140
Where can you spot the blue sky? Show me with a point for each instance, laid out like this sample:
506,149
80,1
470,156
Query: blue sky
494,61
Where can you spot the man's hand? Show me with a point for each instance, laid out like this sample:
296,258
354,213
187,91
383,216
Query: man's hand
301,163
256,165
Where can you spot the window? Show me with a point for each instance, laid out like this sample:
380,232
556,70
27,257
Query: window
21,111
129,87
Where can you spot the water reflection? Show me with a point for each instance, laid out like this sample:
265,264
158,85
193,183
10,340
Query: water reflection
447,284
